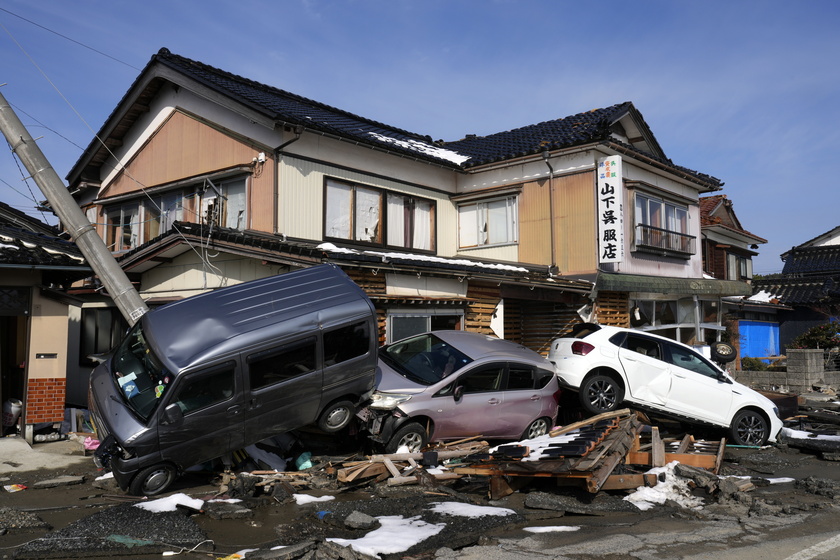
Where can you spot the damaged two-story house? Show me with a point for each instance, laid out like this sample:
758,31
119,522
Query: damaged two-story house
201,178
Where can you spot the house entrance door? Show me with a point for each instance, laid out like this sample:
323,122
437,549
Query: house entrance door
14,307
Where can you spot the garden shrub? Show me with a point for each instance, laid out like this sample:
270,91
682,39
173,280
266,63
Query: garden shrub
821,336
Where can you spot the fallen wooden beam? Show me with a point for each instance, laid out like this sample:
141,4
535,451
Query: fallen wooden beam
571,427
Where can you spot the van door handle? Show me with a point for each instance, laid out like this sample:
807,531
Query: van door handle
235,409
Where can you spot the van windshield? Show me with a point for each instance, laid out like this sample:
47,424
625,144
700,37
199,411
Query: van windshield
424,359
139,374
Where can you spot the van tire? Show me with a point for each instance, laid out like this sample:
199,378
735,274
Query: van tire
412,436
336,416
152,480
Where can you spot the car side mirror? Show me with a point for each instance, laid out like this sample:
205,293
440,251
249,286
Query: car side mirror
458,393
723,378
172,414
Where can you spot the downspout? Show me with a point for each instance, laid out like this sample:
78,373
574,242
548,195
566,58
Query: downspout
552,269
298,130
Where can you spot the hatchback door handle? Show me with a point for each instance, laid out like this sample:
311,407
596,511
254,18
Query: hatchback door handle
494,401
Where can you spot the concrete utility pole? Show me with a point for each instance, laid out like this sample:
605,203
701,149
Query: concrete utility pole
129,302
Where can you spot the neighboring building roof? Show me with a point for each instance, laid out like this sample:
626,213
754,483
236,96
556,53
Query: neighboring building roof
803,291
832,236
23,244
283,107
716,212
810,261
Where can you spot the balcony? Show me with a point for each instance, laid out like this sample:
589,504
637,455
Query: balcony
660,241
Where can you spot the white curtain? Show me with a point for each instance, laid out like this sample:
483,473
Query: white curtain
396,220
468,225
235,205
422,225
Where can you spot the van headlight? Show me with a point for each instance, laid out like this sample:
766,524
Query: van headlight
387,401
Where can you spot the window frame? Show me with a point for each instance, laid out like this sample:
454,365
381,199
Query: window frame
427,314
336,212
482,210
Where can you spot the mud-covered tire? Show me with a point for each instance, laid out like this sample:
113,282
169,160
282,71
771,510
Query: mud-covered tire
336,416
749,427
153,480
537,428
412,436
600,393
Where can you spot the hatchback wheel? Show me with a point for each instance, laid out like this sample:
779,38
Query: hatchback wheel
412,436
600,393
749,428
537,428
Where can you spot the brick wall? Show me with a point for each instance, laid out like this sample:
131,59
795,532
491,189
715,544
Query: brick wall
45,400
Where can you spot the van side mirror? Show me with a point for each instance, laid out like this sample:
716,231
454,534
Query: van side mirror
172,414
459,392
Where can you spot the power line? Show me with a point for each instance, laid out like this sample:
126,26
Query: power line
69,39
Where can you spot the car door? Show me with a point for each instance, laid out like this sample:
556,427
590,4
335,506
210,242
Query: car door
477,411
284,388
211,405
523,401
697,388
648,374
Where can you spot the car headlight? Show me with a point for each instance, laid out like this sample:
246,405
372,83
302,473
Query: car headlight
387,401
776,411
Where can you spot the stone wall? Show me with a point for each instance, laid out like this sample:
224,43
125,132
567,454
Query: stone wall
805,370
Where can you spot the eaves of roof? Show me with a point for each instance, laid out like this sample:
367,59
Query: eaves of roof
792,290
21,248
299,252
809,261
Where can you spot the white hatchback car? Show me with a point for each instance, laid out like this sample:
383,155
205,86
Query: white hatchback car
611,365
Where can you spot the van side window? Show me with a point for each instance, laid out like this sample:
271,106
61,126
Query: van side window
281,364
345,343
201,391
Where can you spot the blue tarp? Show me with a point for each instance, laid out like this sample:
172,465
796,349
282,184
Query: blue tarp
759,339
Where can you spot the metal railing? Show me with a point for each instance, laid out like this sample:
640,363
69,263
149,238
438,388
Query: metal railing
658,239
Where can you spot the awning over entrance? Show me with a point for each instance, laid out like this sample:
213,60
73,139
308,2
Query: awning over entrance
611,282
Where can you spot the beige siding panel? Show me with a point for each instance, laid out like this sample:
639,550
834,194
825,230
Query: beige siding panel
183,147
534,246
575,223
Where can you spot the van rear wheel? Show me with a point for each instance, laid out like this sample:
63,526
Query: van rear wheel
152,480
336,416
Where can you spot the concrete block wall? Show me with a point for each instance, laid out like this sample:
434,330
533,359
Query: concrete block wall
805,369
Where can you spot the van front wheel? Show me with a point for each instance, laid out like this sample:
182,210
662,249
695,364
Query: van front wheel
152,480
336,416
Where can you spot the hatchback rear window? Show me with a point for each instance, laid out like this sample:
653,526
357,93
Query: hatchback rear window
582,330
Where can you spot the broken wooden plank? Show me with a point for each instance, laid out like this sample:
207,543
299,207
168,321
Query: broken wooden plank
407,480
391,468
657,452
629,481
685,444
574,426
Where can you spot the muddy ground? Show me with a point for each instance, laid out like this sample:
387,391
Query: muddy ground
94,519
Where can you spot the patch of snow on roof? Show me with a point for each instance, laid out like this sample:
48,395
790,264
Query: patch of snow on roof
6,246
762,297
423,148
428,258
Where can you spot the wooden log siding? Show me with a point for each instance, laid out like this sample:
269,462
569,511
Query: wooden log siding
373,285
483,299
535,323
613,309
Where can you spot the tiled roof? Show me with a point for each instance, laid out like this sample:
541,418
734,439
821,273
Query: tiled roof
708,205
289,108
808,261
21,244
792,290
283,248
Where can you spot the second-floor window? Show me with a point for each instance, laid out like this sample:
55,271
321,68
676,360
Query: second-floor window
368,215
661,224
135,222
223,203
738,267
488,222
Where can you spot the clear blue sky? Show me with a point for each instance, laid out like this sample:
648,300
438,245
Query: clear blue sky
746,91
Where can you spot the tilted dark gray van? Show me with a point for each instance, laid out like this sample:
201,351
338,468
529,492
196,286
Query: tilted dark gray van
210,374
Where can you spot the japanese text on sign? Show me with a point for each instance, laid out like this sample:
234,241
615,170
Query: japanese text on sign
610,194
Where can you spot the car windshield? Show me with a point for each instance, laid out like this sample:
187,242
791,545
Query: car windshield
425,359
139,374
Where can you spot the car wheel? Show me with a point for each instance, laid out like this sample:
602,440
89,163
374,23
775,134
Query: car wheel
749,428
152,480
336,416
723,352
600,393
412,436
537,428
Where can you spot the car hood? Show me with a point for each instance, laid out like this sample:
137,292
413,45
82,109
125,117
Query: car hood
389,381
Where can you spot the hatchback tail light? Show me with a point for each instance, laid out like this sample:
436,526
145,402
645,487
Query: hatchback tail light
581,348
557,394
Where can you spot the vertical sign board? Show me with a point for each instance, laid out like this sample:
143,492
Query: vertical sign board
610,193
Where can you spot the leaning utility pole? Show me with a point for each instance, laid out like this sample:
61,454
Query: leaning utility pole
129,302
